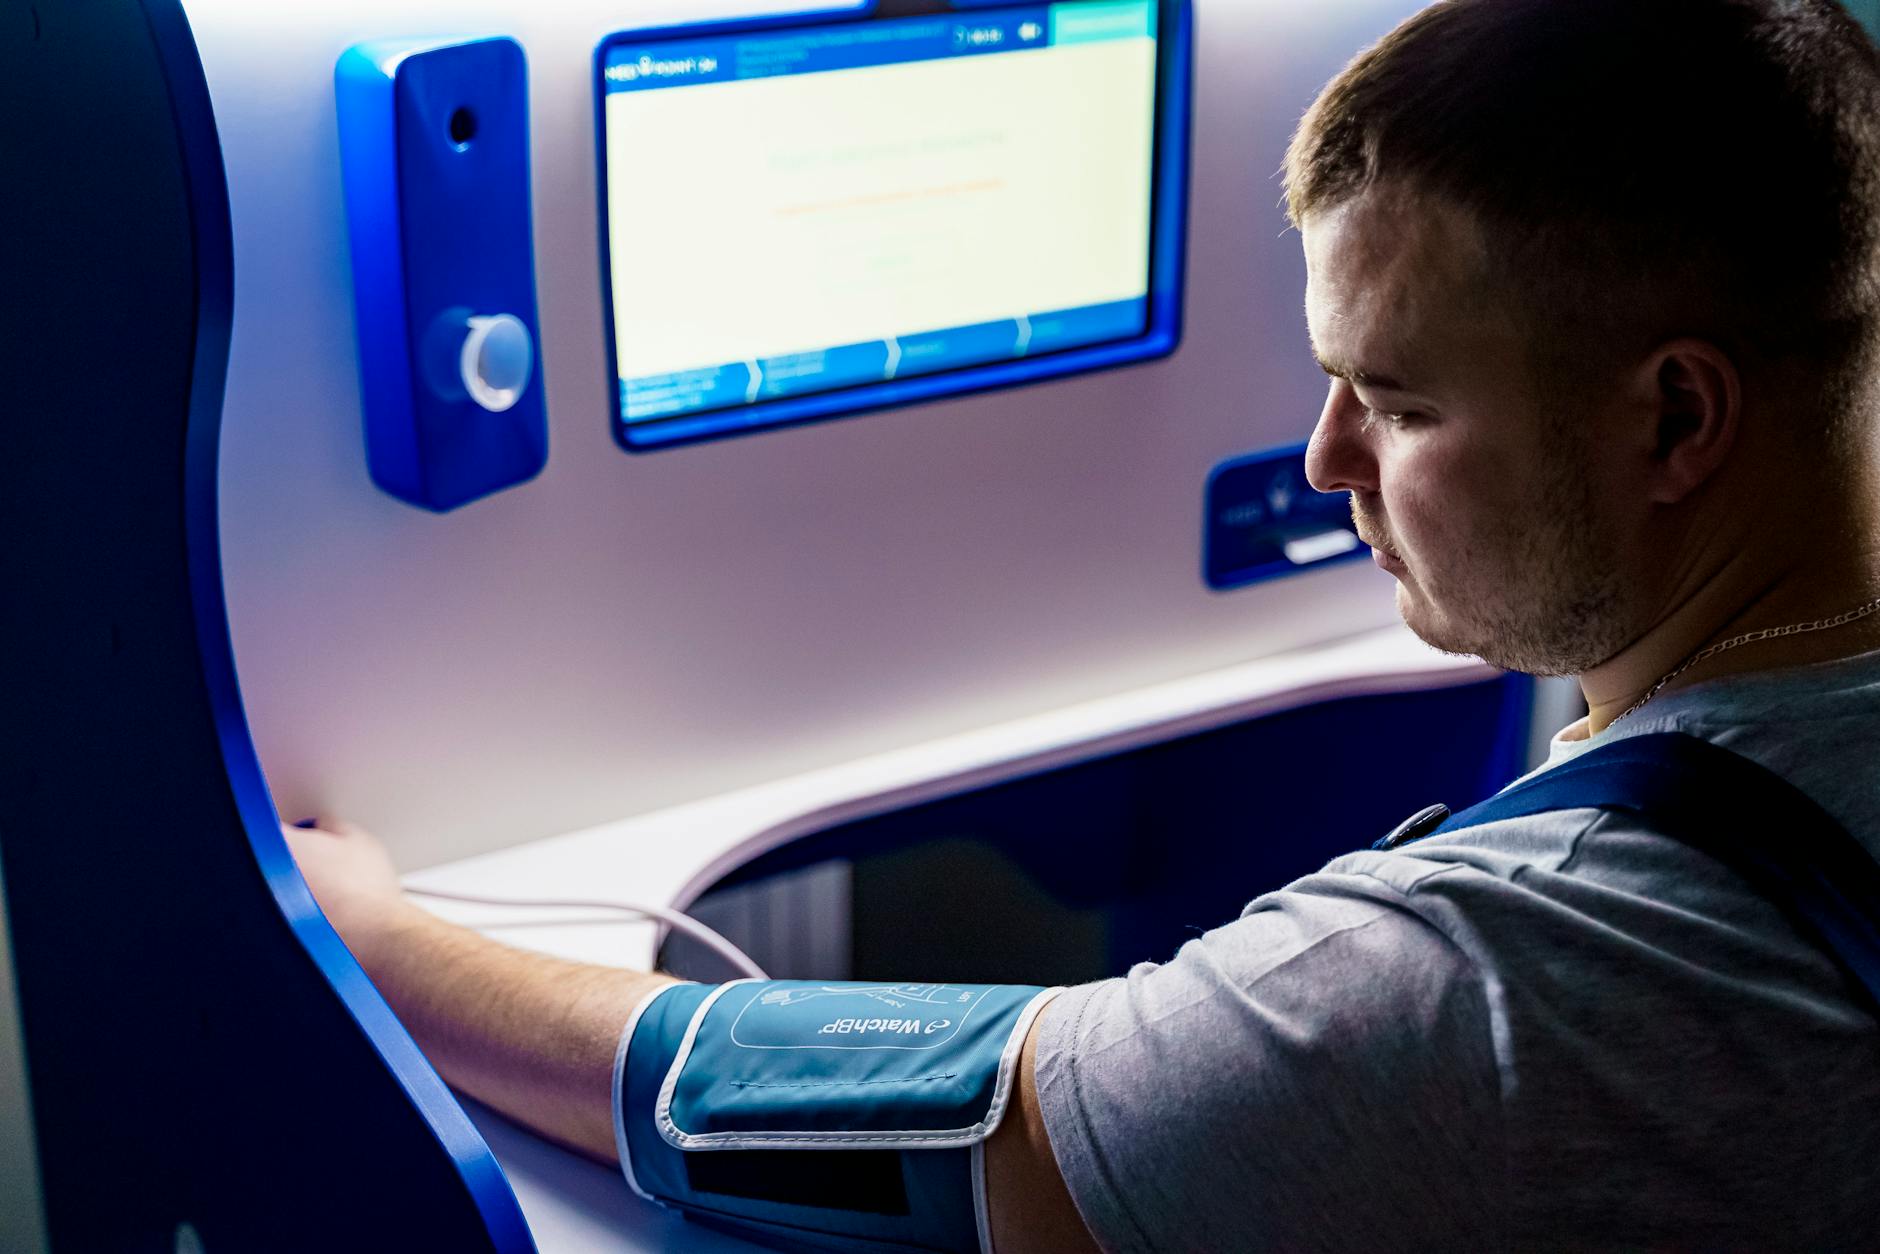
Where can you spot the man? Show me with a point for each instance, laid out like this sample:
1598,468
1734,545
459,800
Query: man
1595,282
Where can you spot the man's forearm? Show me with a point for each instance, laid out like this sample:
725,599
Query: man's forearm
529,1035
534,1037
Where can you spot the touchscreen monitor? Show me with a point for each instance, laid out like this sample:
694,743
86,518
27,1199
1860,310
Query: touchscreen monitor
813,217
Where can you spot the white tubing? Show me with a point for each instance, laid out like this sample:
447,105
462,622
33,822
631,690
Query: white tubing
672,918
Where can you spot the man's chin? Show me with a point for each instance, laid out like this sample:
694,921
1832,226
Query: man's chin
1437,639
1508,650
1436,631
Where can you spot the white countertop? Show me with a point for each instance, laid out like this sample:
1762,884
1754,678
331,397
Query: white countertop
670,857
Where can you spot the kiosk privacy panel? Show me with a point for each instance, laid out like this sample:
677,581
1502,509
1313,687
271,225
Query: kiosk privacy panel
807,220
209,1068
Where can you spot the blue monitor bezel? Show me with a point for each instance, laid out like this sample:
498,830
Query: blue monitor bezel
1168,226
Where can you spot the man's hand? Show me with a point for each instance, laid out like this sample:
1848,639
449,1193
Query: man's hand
353,880
528,1034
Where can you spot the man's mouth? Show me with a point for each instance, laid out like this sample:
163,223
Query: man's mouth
1381,547
1361,517
1385,557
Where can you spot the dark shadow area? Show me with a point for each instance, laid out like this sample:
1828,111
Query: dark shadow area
1077,873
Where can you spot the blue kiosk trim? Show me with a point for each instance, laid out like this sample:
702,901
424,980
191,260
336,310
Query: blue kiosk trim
183,1003
1055,343
488,1188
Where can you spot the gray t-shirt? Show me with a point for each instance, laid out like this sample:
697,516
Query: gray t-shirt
1560,1032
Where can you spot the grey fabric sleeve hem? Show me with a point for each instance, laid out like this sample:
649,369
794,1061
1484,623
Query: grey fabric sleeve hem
1073,1141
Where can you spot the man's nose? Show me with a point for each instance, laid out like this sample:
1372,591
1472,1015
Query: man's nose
1338,457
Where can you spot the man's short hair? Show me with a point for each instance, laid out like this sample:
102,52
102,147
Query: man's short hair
1640,170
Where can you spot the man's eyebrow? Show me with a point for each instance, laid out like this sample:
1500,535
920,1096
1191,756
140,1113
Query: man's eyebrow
1339,370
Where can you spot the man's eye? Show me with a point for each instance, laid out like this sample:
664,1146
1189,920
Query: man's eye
1386,417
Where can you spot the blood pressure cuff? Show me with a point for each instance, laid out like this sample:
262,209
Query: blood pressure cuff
848,1117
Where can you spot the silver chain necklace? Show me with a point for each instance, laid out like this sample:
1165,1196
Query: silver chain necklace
1751,637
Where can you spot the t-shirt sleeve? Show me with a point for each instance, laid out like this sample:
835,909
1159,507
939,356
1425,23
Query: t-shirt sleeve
1318,1074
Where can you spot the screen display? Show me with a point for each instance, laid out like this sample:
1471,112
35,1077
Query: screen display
798,212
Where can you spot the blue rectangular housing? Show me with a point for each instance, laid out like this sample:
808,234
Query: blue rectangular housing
1264,520
434,143
710,400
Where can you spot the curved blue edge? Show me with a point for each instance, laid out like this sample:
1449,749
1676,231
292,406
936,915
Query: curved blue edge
1168,254
392,456
209,210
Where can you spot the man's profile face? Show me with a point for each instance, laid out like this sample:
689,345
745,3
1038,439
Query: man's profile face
1478,493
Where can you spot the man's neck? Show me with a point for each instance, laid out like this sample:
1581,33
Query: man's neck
1744,596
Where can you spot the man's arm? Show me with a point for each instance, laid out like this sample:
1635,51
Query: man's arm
534,1037
1031,1210
526,1034
523,1033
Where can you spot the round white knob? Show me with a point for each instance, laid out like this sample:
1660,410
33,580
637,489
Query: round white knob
497,359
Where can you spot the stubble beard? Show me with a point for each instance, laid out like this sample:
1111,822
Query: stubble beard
1538,594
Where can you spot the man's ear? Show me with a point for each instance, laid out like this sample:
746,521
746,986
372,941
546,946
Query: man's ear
1696,406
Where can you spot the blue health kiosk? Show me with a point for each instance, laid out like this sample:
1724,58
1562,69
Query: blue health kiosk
466,393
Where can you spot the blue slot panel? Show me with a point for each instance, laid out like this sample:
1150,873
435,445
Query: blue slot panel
435,153
1264,520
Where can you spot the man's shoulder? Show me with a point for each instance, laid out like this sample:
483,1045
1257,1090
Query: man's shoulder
1817,726
1575,869
1575,916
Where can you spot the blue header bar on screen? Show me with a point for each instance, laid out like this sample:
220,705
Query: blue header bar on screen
1097,20
762,54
